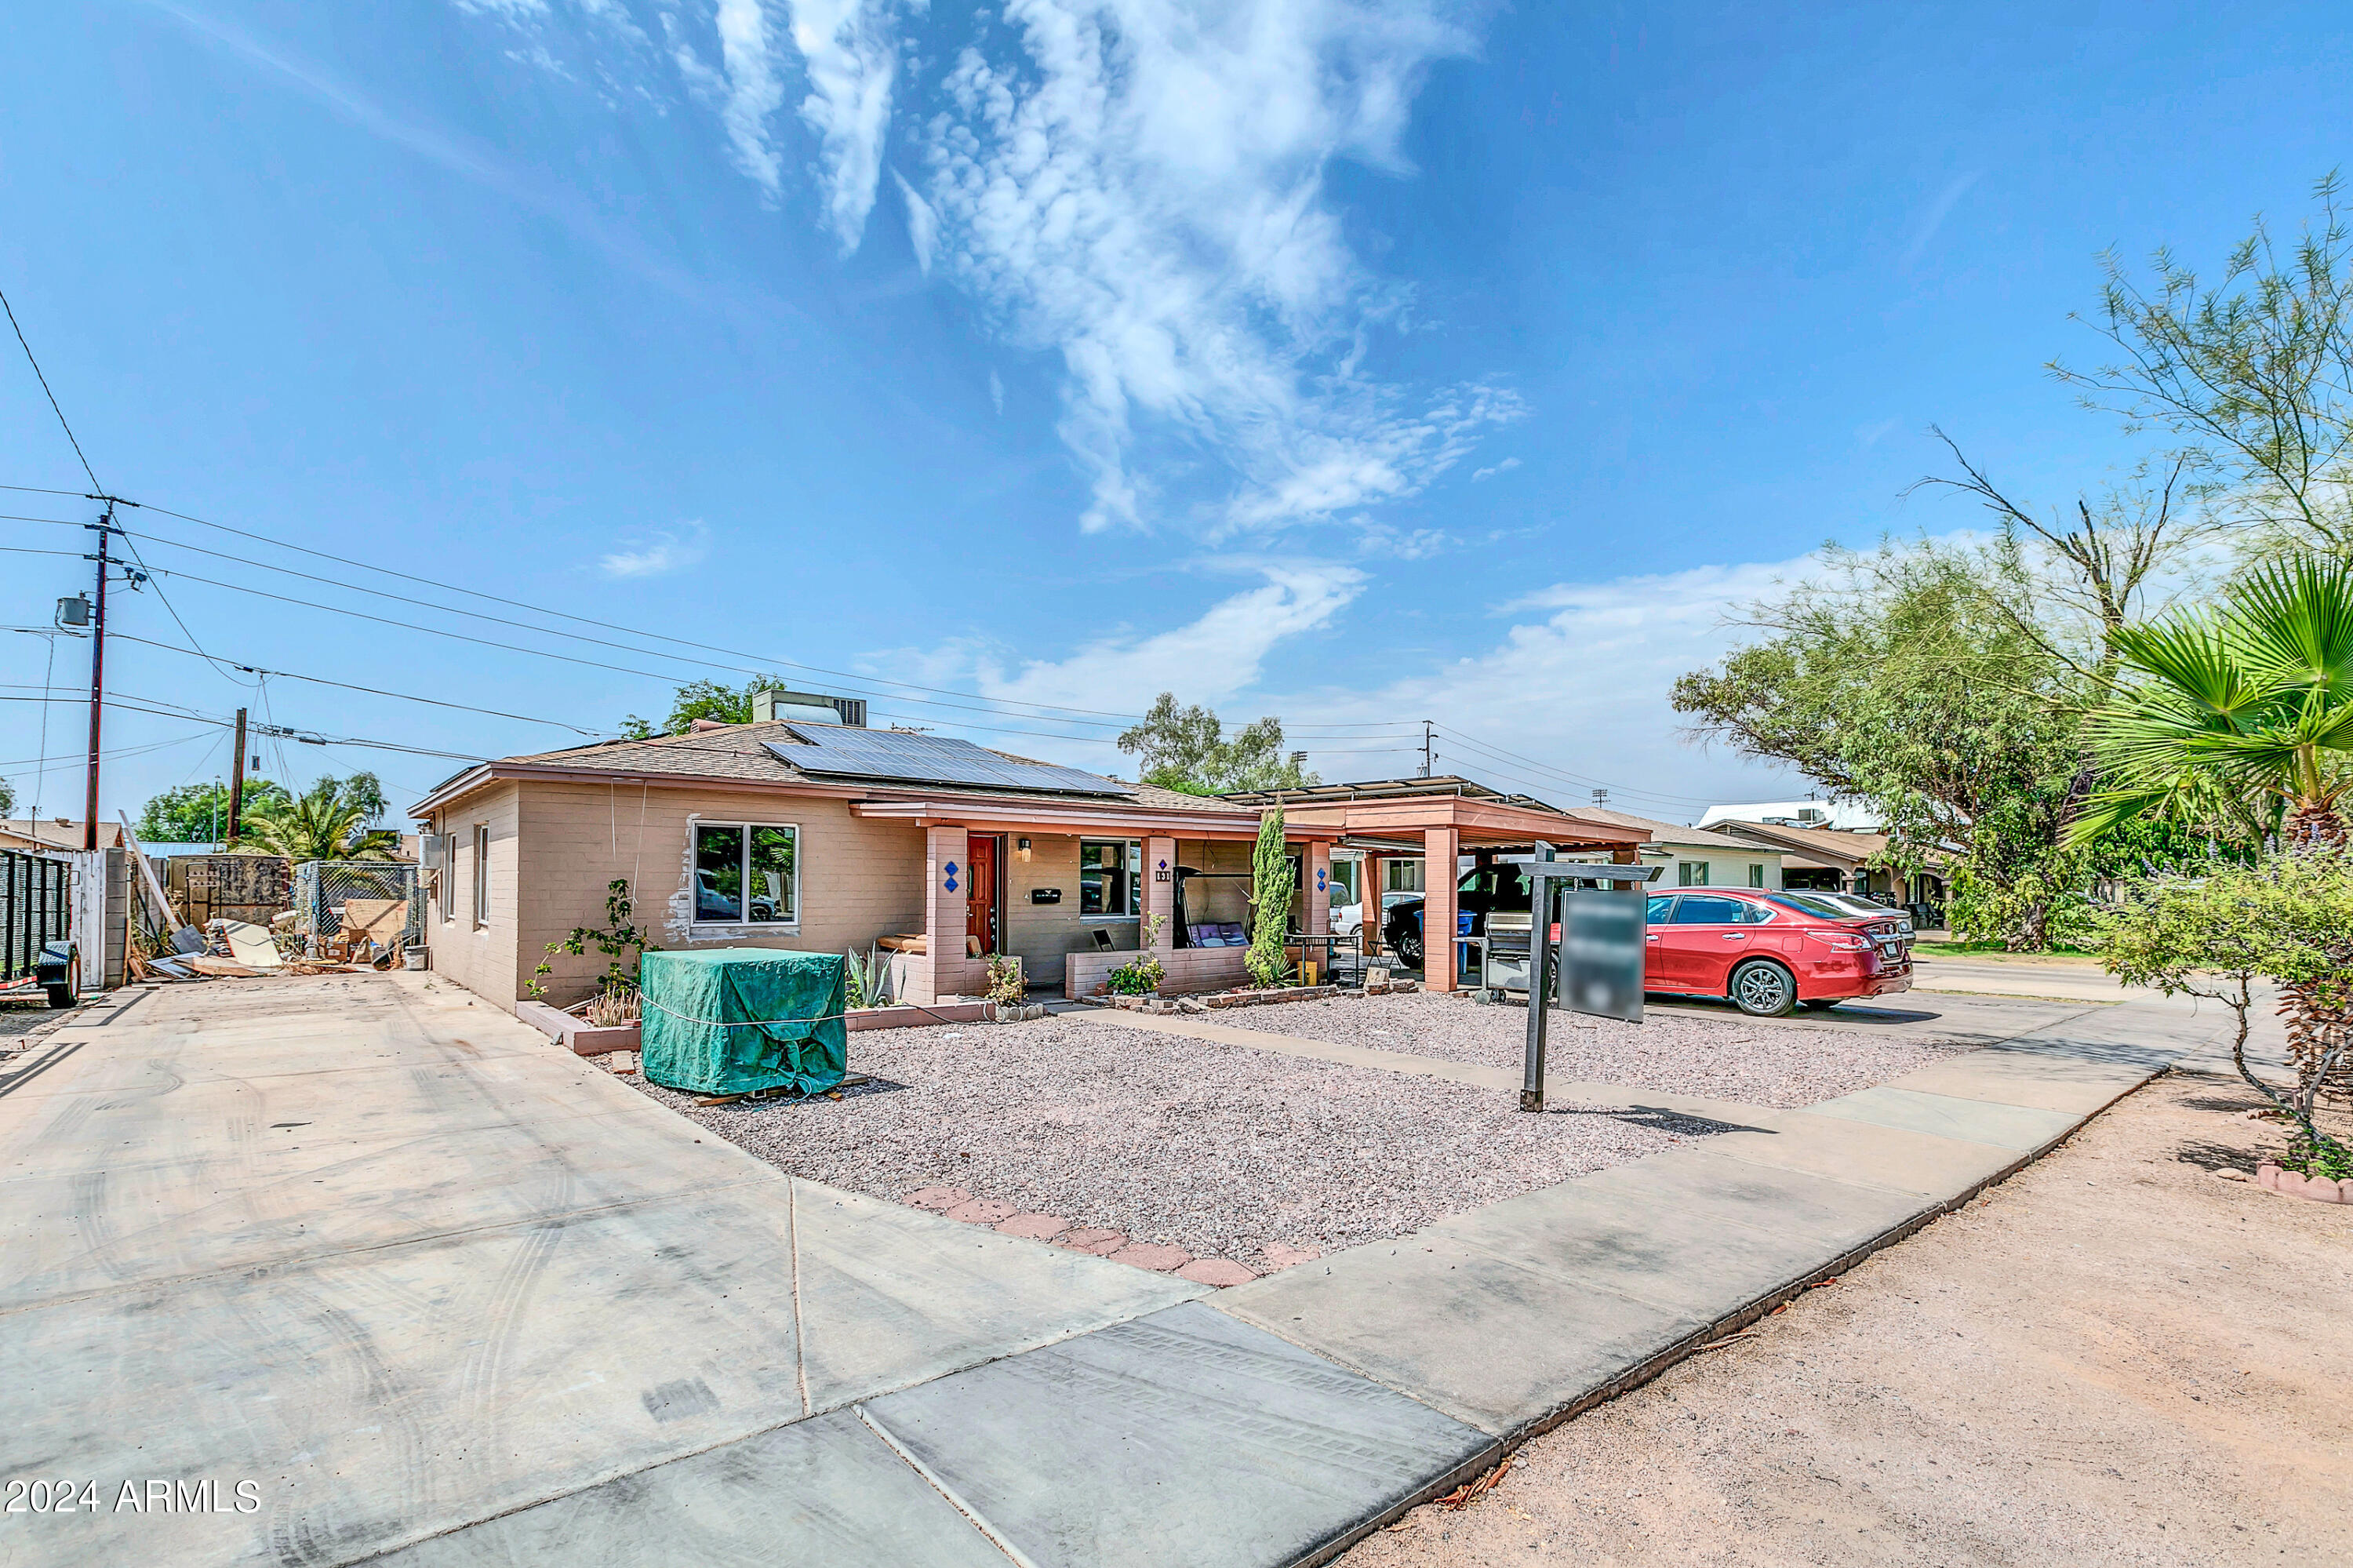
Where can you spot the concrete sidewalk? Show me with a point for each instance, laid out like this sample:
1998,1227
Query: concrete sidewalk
440,1290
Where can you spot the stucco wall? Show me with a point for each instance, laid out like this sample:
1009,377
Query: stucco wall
1727,868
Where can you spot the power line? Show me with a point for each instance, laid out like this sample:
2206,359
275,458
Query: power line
52,397
375,691
1099,718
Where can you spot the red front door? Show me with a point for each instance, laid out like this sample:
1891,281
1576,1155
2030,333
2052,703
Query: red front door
980,910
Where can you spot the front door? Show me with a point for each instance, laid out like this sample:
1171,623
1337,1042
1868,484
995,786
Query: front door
982,917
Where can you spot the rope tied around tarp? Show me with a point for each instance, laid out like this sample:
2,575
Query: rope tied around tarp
775,1022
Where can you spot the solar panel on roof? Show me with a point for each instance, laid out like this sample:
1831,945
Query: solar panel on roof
847,753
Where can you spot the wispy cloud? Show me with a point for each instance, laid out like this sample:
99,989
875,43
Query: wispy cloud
1503,467
1219,654
851,53
1141,191
1598,659
659,552
1933,218
1138,188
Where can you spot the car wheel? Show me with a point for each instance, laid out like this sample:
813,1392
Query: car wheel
1762,989
1408,950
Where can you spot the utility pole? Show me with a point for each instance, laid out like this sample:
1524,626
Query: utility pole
236,781
97,678
1429,749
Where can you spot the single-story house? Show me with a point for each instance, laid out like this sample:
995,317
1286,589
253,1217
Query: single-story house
824,836
1833,860
55,834
1695,857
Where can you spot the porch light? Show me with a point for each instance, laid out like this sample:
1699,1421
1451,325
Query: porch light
1021,846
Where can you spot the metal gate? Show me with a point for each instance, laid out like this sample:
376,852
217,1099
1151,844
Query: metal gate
322,886
36,908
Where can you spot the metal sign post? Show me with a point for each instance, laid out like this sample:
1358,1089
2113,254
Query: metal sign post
1552,879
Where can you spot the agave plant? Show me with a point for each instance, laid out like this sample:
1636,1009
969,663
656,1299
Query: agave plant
2251,704
868,979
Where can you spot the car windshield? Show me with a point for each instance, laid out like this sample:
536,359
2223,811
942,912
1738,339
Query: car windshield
1822,908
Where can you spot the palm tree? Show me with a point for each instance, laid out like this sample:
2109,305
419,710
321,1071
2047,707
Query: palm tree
324,822
2240,711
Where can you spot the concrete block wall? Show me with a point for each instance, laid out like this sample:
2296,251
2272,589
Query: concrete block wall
1189,969
859,879
482,957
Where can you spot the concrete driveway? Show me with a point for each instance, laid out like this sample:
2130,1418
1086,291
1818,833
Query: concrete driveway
332,1269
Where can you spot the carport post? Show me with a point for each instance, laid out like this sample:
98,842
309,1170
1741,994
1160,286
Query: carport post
1545,899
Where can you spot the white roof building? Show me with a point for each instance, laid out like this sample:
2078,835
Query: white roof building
1847,816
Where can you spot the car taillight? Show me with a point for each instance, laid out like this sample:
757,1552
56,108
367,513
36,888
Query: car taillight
1845,941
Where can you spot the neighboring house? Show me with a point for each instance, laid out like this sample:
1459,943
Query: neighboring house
55,834
1847,816
1829,859
789,833
1694,857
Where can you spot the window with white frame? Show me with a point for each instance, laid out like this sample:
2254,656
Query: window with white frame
1401,875
1691,873
1110,878
481,874
746,873
1757,873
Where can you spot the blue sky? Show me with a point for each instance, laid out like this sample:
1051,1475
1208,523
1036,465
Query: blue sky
1360,364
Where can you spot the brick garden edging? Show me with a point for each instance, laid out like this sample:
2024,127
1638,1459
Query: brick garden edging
1252,997
2288,1184
956,1203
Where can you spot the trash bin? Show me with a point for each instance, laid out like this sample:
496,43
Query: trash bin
734,1021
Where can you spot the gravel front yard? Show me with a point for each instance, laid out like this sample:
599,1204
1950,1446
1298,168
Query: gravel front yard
1218,1149
1726,1058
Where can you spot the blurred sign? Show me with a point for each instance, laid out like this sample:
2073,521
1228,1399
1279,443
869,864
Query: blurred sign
1601,953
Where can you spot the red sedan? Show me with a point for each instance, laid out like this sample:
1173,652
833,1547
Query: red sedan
1771,952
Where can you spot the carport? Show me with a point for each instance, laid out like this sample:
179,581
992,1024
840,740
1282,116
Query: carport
1440,820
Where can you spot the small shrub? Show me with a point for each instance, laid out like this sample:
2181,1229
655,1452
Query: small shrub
1006,986
866,981
1139,977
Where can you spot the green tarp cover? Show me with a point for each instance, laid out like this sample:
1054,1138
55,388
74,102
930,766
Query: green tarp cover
733,1019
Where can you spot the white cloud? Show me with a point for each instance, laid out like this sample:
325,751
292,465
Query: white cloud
923,225
1580,687
851,52
754,90
656,553
1503,467
1143,194
1211,659
996,392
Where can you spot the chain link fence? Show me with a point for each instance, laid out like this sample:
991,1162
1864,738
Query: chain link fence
321,888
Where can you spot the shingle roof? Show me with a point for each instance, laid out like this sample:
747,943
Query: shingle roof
738,751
